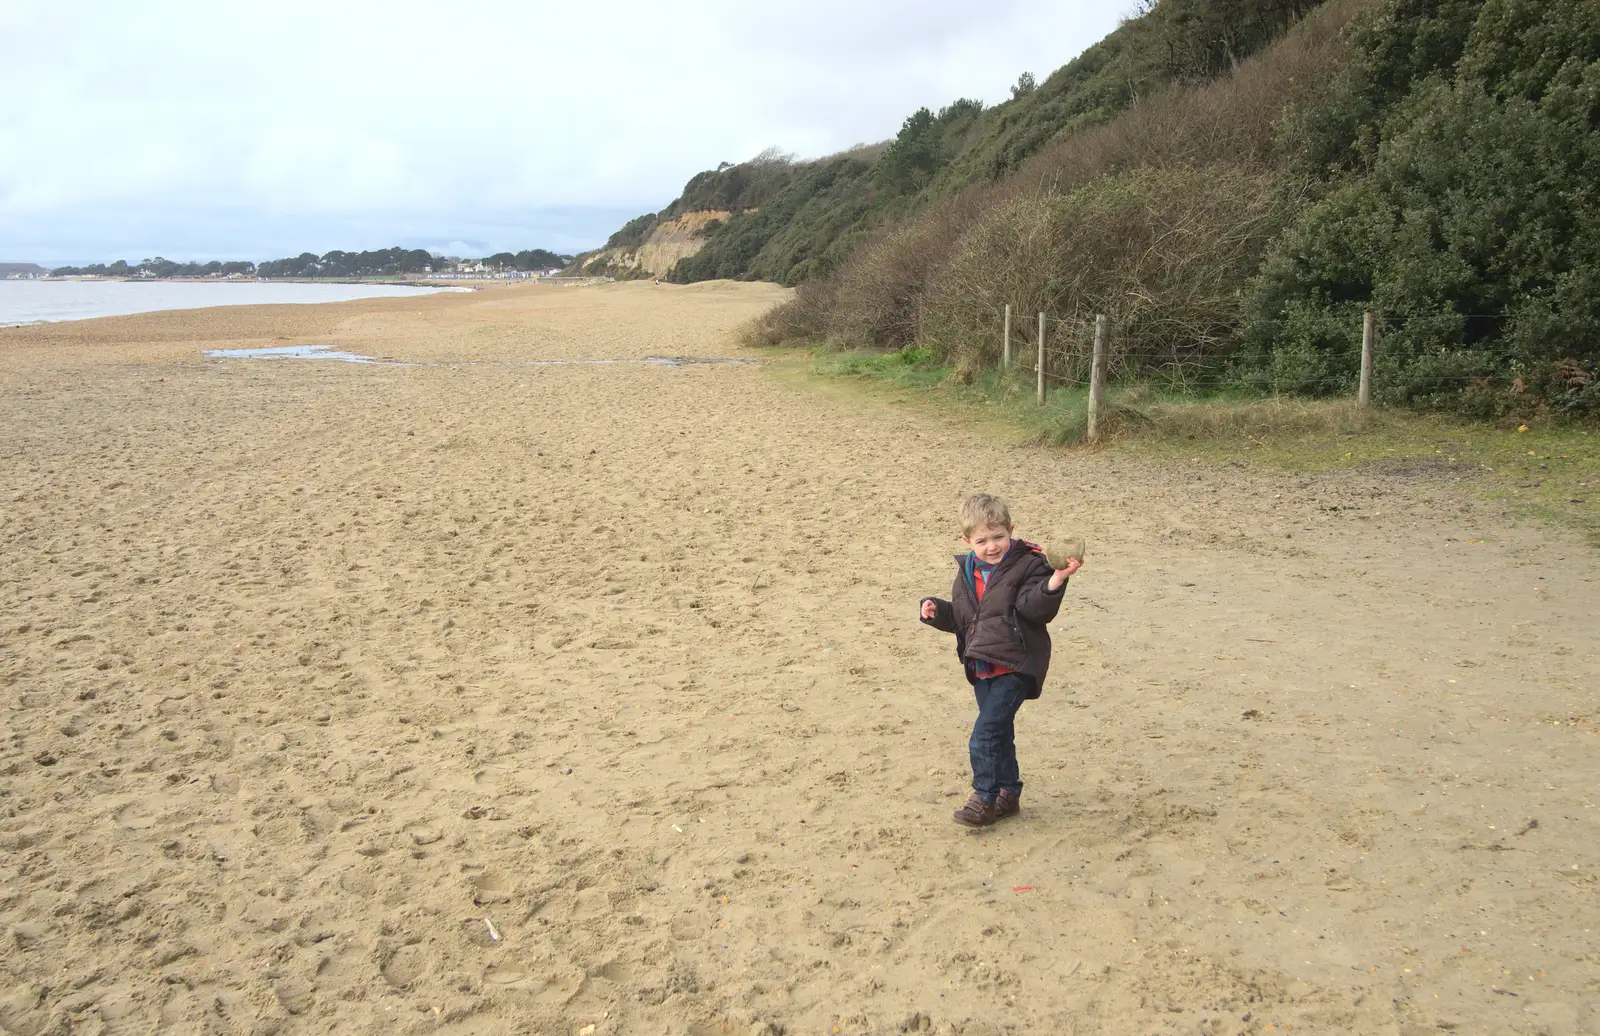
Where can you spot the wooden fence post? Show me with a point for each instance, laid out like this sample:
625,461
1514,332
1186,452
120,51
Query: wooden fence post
1005,352
1097,377
1041,360
1369,332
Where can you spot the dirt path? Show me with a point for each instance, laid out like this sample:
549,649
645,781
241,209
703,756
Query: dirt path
312,672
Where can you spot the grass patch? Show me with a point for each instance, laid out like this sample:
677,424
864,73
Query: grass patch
1547,470
1551,471
915,377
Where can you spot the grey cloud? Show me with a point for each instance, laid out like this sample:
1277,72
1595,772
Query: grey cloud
361,116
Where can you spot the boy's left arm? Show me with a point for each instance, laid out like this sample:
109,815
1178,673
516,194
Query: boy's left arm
1040,597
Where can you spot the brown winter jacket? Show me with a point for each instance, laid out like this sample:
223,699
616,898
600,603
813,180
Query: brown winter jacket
1008,627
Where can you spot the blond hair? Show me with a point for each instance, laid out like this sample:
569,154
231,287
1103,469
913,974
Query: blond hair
982,510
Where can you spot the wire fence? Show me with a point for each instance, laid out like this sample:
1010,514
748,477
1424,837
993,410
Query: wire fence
1066,346
1084,352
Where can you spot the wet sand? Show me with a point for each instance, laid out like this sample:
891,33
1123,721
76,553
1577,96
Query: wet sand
479,697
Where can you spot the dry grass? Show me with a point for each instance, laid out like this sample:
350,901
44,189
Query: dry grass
1132,413
1259,421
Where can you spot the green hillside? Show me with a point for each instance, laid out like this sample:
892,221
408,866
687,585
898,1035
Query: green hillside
796,221
1234,184
1182,41
1436,162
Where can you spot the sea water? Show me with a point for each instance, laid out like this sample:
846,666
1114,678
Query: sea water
32,302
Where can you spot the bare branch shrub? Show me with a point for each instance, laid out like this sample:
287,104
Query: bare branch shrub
1160,251
801,319
876,296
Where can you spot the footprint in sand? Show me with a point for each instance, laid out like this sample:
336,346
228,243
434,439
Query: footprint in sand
402,967
22,838
591,903
615,971
506,975
489,777
560,988
136,817
424,834
295,994
282,831
690,925
491,887
23,1012
120,1013
182,1010
28,935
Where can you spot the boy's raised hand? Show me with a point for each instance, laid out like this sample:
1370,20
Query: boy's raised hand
1061,575
929,609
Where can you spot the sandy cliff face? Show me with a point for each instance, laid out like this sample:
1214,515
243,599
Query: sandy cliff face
672,240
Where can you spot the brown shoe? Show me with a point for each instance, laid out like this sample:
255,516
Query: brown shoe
1007,804
976,813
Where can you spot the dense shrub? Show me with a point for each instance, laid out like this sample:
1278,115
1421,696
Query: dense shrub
735,187
1394,44
925,144
791,237
1474,227
633,232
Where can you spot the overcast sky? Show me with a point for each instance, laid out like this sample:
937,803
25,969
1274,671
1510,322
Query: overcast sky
218,130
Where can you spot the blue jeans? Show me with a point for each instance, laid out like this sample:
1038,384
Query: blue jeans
994,736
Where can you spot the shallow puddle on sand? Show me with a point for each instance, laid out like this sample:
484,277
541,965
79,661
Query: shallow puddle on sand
297,352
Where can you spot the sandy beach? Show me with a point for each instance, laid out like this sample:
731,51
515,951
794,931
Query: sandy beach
467,695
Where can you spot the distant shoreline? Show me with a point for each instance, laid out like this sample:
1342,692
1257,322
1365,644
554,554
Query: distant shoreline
464,283
395,281
28,302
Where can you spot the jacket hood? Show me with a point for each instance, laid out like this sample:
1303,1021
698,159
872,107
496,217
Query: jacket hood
1015,555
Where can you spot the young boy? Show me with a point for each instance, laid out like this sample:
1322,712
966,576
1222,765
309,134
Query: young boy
1004,593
